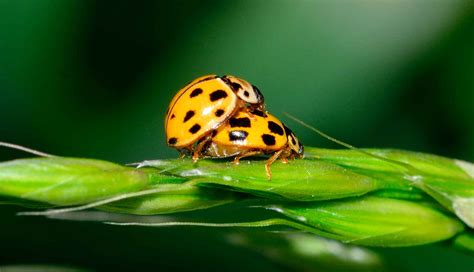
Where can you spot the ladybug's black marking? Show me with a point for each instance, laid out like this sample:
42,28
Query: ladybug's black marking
236,86
173,116
275,128
293,141
216,95
258,93
290,134
188,116
259,113
238,135
214,133
219,112
268,139
195,128
239,122
172,141
246,93
195,92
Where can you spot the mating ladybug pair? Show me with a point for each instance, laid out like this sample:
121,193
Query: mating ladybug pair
224,116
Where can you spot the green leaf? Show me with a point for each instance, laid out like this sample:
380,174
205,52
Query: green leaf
179,198
68,181
374,221
448,181
465,241
424,163
299,180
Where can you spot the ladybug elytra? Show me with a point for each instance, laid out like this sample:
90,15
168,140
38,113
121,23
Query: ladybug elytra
202,105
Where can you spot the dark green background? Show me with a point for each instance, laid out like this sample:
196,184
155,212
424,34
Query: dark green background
94,78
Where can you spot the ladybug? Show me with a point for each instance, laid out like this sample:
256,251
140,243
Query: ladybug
248,134
202,106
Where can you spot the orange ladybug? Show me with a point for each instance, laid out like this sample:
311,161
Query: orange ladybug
202,106
253,133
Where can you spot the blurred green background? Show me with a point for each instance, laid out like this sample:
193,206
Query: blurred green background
94,78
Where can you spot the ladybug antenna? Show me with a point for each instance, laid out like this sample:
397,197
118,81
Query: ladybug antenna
349,146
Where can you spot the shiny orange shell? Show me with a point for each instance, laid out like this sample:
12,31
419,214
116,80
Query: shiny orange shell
250,131
198,108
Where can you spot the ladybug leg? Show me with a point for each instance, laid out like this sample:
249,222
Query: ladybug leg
286,154
184,151
200,146
270,161
244,154
249,111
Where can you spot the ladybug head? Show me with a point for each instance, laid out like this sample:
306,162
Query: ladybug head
246,91
296,147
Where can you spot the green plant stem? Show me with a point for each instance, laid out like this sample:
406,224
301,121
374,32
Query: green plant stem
339,194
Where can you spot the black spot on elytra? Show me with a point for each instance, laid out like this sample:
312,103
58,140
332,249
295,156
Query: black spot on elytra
188,116
239,122
216,95
195,128
275,128
268,139
238,135
236,86
219,112
259,113
246,93
195,92
172,141
173,116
